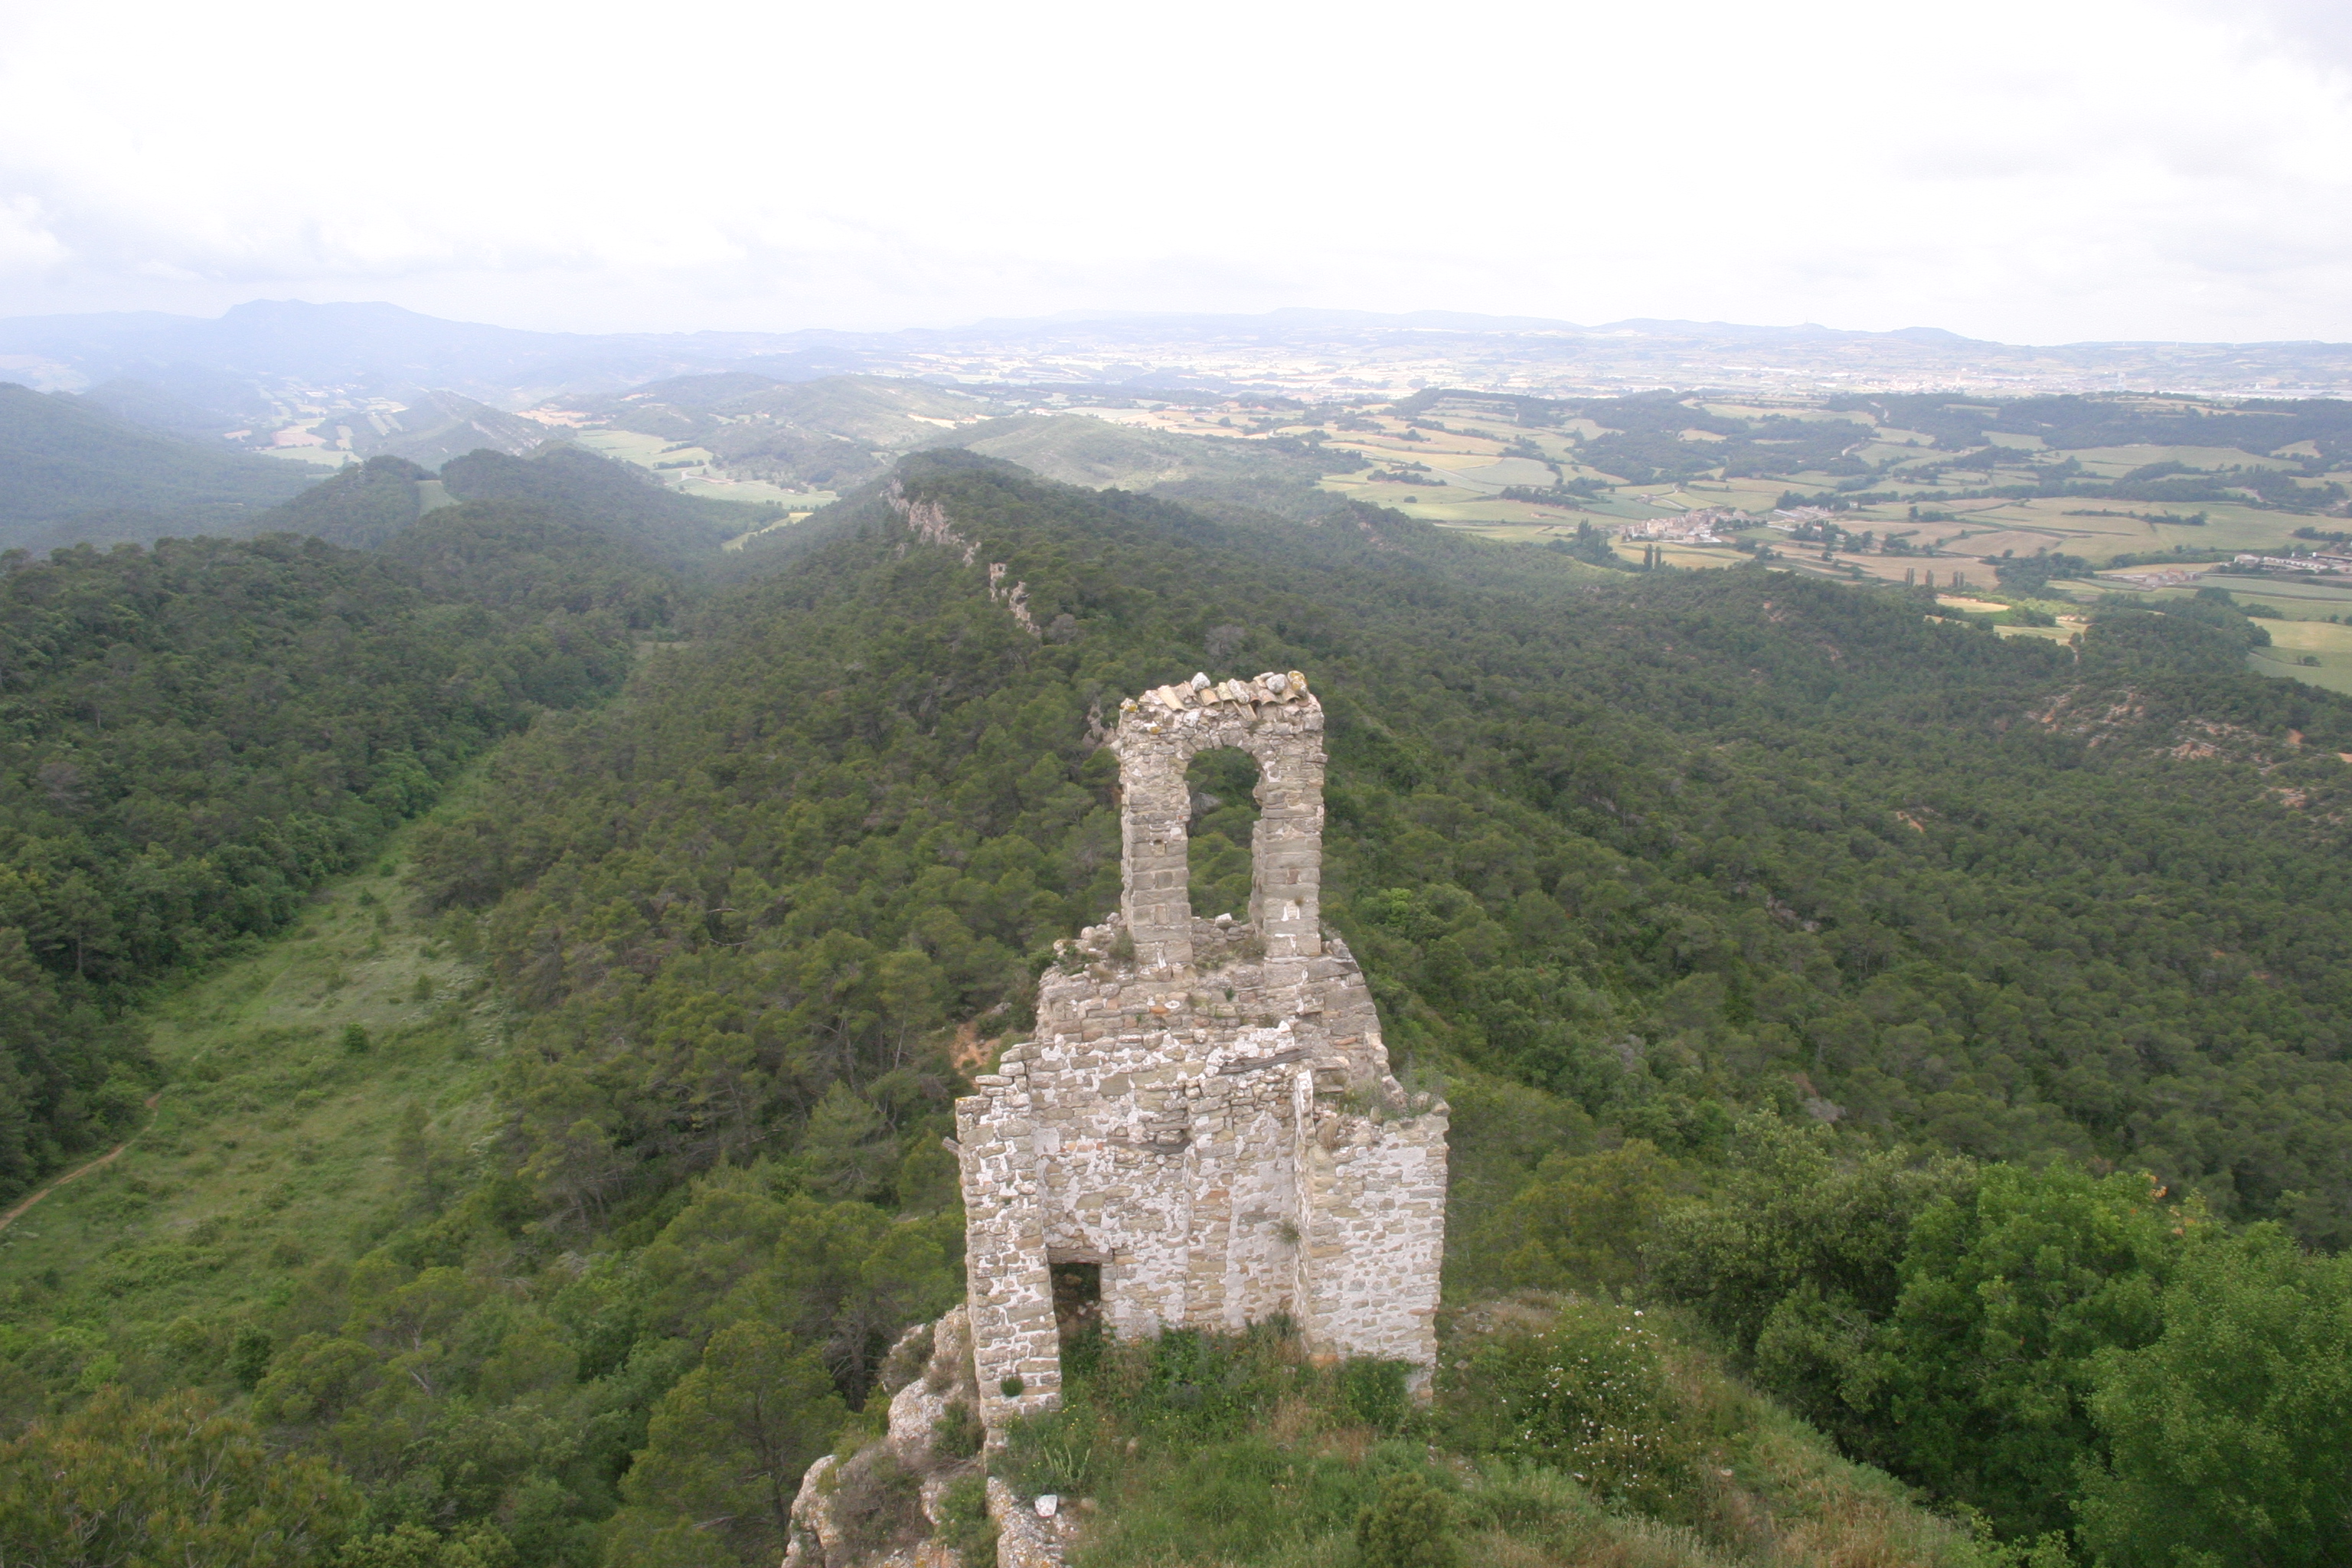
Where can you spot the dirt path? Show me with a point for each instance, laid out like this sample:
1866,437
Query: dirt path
106,1159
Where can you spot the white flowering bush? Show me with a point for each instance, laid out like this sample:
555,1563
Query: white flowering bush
1586,1393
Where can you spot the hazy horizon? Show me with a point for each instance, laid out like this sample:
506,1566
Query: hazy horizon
1466,320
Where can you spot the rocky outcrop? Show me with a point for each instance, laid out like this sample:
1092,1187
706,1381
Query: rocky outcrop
923,1414
884,1506
1024,1538
929,520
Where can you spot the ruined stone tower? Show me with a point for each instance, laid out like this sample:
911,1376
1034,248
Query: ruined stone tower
1204,1131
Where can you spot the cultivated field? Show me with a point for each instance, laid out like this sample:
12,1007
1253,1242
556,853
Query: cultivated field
2294,641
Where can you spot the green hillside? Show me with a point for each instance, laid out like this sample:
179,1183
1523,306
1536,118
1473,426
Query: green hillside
159,408
1845,1012
363,507
70,471
199,733
610,495
1572,813
369,504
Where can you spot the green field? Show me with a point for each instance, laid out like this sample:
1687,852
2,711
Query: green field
2300,597
309,457
2329,643
787,520
274,1143
635,447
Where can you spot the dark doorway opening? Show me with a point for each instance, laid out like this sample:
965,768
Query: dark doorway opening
1078,1298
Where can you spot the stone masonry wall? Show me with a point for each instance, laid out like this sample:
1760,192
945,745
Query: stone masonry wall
1206,1111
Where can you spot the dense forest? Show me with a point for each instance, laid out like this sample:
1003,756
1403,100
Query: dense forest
368,504
1949,1031
197,734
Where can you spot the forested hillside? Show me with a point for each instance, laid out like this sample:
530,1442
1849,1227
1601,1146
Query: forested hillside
195,734
368,504
1667,850
1822,974
71,469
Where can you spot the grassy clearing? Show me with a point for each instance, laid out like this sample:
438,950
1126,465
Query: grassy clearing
282,1137
627,446
2294,641
753,493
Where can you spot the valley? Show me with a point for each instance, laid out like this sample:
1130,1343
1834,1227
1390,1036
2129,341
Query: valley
280,1136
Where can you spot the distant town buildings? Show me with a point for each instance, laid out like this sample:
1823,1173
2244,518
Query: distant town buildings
2170,577
2324,563
1708,525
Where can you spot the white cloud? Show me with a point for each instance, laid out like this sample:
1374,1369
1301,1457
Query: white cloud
2032,172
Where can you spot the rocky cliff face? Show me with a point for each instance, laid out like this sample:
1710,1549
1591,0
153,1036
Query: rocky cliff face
916,1497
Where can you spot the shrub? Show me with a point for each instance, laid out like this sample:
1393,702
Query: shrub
1587,1394
1373,1392
957,1434
1054,1452
965,1523
1408,1526
248,1358
878,1504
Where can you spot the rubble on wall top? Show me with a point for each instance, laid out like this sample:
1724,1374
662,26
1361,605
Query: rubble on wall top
1276,687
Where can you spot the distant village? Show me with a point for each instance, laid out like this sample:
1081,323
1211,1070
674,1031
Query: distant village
1707,525
1719,524
2317,563
2170,577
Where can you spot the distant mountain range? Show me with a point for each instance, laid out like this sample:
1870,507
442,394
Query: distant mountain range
194,376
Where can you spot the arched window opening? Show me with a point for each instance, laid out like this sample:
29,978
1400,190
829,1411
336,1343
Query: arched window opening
1221,789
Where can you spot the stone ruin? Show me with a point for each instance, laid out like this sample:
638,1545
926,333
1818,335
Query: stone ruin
1204,1131
1203,1134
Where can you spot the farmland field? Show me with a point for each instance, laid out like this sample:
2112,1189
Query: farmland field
2329,643
633,447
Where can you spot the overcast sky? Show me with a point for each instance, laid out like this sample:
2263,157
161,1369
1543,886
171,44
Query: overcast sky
2047,172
